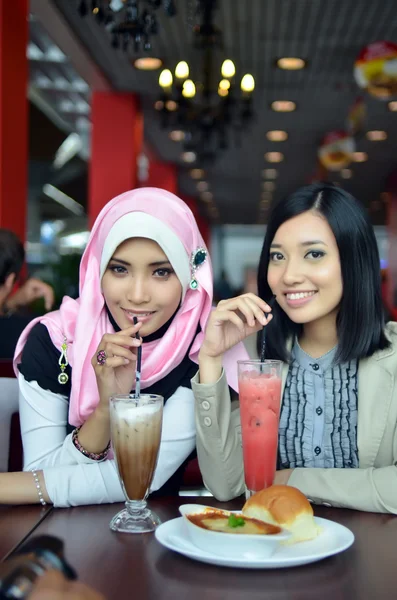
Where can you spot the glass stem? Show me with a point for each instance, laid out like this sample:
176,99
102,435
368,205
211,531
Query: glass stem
136,507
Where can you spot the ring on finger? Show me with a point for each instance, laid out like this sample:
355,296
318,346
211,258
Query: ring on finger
101,357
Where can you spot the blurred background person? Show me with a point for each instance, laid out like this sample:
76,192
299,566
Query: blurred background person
15,311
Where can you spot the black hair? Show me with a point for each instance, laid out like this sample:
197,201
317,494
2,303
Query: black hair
360,320
12,254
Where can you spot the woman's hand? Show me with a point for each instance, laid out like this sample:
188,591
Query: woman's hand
117,374
232,321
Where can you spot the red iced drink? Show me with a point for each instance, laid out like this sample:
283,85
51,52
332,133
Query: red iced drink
260,399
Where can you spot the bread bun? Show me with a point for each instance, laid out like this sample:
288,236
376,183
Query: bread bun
286,506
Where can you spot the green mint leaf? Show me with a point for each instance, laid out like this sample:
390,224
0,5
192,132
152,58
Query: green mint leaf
234,521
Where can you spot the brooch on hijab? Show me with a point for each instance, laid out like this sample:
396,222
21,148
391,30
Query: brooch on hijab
63,363
198,258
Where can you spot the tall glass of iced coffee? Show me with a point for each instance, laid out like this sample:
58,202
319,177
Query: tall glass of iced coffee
136,433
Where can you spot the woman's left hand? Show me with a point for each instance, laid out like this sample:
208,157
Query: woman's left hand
282,477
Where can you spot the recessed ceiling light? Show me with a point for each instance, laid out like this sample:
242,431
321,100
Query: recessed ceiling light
188,156
202,186
360,156
269,173
171,105
393,106
197,173
376,135
269,186
148,63
291,63
274,157
206,196
177,135
346,173
159,105
277,135
283,106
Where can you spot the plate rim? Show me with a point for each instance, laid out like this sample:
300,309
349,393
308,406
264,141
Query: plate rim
261,563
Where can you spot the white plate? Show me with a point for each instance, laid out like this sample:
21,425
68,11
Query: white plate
334,538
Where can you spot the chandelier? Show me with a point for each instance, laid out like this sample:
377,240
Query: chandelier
131,23
208,112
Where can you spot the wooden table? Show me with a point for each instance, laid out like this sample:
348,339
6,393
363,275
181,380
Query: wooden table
125,566
17,523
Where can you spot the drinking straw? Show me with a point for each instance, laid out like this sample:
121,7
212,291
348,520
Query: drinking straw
138,366
263,347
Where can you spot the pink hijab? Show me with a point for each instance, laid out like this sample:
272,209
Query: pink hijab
84,321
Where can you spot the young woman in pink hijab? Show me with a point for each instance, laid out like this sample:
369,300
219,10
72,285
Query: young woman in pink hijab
145,258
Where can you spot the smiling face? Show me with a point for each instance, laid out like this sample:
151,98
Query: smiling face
140,281
304,269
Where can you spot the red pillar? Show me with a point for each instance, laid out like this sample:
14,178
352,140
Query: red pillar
13,115
162,175
116,141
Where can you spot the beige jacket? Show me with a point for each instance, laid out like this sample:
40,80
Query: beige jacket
371,487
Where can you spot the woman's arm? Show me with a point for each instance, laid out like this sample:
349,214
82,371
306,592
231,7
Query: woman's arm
178,436
20,488
218,441
72,484
43,417
372,489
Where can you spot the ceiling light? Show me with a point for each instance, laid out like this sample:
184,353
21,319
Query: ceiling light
66,201
182,70
188,156
360,156
197,173
393,106
159,105
247,83
202,186
224,84
206,196
189,89
171,105
376,135
67,150
228,69
269,173
291,63
223,92
177,135
148,63
274,157
283,106
269,186
165,78
346,173
277,135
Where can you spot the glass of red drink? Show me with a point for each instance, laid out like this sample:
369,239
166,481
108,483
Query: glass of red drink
260,399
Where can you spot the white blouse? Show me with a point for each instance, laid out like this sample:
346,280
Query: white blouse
71,478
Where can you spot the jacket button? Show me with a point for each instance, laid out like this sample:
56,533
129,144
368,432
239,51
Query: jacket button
317,450
205,405
315,367
207,421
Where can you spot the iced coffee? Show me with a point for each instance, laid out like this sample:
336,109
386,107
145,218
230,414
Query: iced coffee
136,433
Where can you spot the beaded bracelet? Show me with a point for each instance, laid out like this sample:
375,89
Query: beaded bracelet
38,487
92,455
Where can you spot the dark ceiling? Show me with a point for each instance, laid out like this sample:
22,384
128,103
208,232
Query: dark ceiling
255,32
